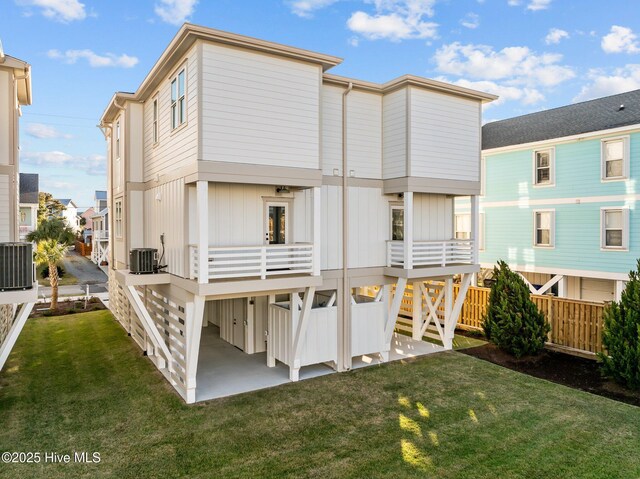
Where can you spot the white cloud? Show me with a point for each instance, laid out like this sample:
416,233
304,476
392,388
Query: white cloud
526,96
535,5
395,20
601,83
305,8
91,165
471,20
60,10
95,60
44,132
175,11
514,3
516,65
555,35
620,40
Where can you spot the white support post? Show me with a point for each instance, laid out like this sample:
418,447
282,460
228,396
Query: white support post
475,230
563,287
249,339
432,306
620,285
448,306
14,332
408,230
386,295
416,325
202,214
457,307
194,313
300,330
316,230
532,288
393,312
148,324
271,359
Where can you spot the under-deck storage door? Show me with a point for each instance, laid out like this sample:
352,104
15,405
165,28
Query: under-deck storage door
239,317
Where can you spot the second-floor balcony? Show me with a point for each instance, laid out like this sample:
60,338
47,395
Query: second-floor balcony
431,253
24,230
264,261
101,235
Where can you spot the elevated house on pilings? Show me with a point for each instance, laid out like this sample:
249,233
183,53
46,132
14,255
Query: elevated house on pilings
290,208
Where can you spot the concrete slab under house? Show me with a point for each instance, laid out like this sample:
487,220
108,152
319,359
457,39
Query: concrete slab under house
288,227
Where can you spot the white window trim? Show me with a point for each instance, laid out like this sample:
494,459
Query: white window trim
118,135
625,228
455,226
394,206
118,217
155,120
626,155
552,167
552,231
174,77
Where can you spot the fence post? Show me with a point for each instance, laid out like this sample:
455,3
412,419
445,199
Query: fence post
550,316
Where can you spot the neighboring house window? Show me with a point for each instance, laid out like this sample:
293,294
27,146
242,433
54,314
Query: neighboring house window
463,226
23,217
118,218
615,159
544,174
155,120
397,223
544,230
615,229
178,104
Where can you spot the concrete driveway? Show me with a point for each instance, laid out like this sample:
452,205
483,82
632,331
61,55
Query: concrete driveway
83,269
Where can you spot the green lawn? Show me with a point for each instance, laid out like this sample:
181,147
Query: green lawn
77,383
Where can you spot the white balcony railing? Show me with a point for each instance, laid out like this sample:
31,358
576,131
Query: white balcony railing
432,253
24,230
254,261
101,235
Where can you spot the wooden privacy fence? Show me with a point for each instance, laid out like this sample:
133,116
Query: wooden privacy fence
576,325
83,249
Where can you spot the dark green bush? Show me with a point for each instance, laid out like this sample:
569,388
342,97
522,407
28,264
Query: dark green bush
45,272
513,322
621,335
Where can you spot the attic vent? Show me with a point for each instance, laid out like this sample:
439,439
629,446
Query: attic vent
621,108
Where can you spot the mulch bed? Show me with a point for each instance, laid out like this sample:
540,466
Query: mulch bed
66,307
572,371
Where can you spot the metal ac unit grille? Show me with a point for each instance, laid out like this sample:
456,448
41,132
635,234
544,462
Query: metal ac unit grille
143,260
16,266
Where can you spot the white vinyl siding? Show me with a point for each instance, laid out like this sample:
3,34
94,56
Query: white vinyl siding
615,158
544,228
179,148
394,133
331,228
259,109
331,134
614,228
6,201
364,135
444,136
368,227
432,217
544,167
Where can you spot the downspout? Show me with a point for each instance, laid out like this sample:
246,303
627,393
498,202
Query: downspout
346,289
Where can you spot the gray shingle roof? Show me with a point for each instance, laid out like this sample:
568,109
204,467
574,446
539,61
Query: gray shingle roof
594,115
29,188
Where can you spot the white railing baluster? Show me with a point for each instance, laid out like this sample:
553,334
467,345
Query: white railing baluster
263,262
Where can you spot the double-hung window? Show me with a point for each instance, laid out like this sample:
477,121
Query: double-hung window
544,228
615,228
178,100
397,223
544,167
118,218
615,159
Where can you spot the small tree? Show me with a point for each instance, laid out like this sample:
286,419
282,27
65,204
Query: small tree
621,335
52,239
513,322
48,207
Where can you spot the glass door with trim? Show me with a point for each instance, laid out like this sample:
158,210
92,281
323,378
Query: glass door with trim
277,223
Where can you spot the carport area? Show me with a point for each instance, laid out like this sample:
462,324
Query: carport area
224,370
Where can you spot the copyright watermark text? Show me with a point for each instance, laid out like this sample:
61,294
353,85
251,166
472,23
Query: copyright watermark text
50,457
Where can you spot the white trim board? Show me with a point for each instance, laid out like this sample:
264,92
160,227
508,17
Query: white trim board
526,202
563,271
564,139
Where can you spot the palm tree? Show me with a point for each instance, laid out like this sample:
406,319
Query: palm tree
52,239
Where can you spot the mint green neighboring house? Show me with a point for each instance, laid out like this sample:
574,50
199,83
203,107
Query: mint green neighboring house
560,196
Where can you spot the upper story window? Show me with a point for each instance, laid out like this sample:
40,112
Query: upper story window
544,228
118,217
118,139
397,223
178,104
155,120
615,159
463,226
615,228
544,167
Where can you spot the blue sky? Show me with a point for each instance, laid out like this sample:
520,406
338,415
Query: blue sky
536,54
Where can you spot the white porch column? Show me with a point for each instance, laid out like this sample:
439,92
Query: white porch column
416,324
317,227
194,313
448,310
408,230
563,287
619,288
202,215
475,230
